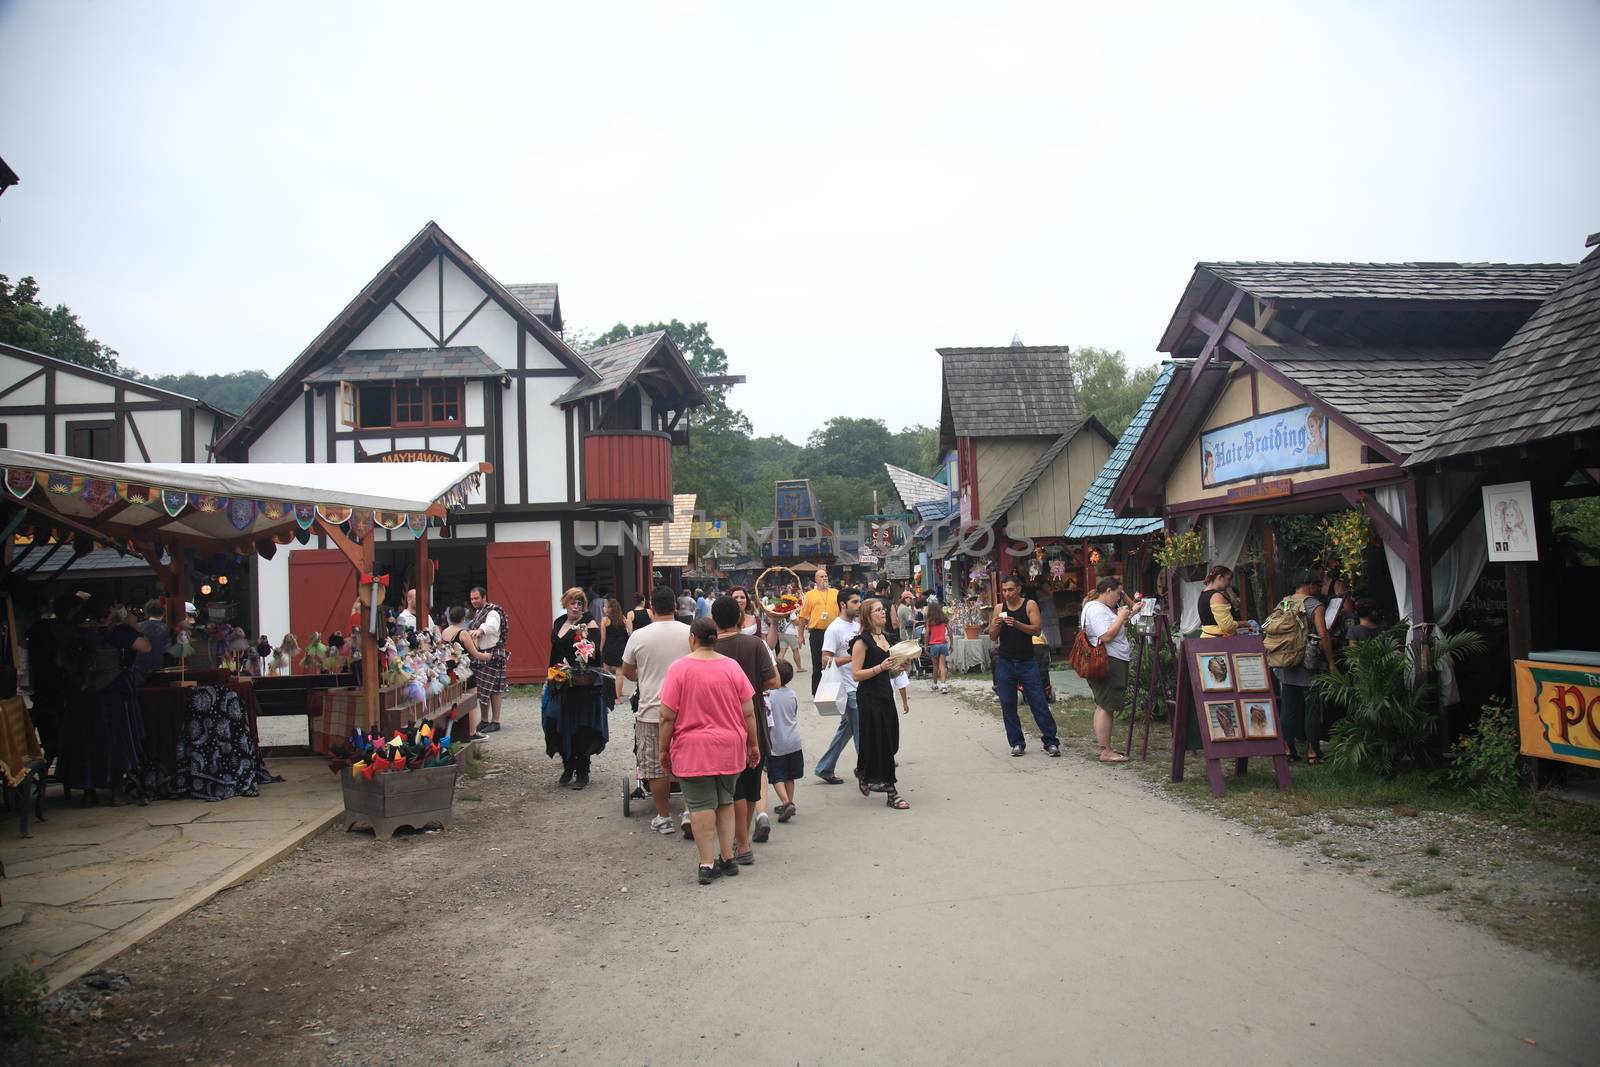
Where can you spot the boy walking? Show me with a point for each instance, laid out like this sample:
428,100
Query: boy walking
788,763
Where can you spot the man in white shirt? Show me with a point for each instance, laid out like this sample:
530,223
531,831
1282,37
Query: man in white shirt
650,651
836,653
490,630
407,619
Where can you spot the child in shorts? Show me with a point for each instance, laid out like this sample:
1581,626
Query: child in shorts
787,764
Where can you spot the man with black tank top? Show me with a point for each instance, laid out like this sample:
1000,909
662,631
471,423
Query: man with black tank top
1016,620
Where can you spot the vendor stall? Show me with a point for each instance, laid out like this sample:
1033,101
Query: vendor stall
178,517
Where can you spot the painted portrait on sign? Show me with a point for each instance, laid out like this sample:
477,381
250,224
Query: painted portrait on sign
1259,719
1216,674
1276,442
1222,721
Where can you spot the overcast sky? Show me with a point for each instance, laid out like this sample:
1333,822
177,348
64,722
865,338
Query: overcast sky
835,189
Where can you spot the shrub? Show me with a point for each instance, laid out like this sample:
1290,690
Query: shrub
1485,761
1389,692
21,989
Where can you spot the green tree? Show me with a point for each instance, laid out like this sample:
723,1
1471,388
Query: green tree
233,391
1105,387
916,448
54,331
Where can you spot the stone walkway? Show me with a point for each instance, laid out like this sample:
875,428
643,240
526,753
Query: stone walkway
92,881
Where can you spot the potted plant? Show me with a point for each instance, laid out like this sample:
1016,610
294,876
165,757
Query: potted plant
1185,552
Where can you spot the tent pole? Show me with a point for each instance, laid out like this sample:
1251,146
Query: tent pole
424,580
370,644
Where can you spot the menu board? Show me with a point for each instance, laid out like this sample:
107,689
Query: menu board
1227,685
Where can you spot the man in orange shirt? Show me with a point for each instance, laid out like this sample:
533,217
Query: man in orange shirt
818,608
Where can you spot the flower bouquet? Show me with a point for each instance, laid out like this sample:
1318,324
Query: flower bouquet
778,592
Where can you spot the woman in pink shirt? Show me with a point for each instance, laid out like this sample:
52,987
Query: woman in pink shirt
708,738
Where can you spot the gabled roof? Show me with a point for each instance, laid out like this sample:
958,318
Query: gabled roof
1094,518
669,541
1544,383
97,561
913,488
1024,482
541,298
1377,283
1009,391
389,282
1183,406
8,177
408,364
619,364
1399,395
132,385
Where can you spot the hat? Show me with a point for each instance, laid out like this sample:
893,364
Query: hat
188,608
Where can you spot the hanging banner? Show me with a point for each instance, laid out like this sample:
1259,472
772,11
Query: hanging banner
305,515
98,494
1278,442
360,523
417,524
1508,518
337,514
134,493
174,501
64,484
389,520
20,483
207,503
272,510
241,513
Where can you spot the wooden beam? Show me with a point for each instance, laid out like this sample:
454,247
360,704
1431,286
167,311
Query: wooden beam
351,550
424,578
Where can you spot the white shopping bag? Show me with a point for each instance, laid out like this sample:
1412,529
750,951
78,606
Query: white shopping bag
831,697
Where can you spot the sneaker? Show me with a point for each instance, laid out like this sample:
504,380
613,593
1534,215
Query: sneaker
1017,750
1053,750
477,737
708,873
582,782
745,858
763,827
945,689
727,867
687,827
933,687
662,824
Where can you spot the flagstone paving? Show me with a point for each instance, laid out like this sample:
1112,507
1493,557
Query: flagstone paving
92,880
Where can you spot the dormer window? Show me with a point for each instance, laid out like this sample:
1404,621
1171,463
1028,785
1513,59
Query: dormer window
400,405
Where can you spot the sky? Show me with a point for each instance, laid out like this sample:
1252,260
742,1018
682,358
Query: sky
836,189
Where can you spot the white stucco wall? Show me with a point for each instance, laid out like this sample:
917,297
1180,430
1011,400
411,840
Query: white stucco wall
25,432
272,593
13,370
162,433
71,389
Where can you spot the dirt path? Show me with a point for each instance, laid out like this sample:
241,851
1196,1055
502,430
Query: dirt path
1030,909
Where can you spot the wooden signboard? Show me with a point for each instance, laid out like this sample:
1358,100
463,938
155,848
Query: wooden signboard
1558,710
1227,683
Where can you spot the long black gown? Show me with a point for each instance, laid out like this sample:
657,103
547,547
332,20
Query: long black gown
576,718
880,726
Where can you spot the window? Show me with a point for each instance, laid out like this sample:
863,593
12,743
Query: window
347,404
402,406
374,406
94,440
444,405
408,406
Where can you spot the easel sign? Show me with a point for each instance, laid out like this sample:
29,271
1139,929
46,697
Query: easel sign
1228,684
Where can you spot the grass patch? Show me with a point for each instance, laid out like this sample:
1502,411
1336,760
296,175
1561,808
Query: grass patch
21,989
470,798
1433,849
476,769
1429,889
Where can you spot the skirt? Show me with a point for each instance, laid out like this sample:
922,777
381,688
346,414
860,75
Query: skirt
1111,689
490,674
576,720
880,736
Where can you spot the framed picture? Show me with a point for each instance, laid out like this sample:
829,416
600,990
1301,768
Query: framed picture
1215,672
1250,673
1259,719
1222,720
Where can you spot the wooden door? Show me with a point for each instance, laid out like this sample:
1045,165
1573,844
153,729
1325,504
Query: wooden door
519,581
322,587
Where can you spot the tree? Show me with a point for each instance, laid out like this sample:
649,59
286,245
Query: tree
1106,389
233,391
28,323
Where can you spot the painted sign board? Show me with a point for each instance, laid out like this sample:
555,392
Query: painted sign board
408,455
1277,442
1508,519
1558,711
1261,490
1223,682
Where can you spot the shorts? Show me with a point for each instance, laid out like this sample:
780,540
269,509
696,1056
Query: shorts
938,650
1111,690
647,748
708,793
748,787
789,638
789,767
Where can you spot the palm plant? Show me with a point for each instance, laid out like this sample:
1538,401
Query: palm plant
1389,692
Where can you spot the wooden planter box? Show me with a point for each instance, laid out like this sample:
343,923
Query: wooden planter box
973,632
399,798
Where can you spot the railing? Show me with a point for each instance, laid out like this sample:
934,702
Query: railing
627,466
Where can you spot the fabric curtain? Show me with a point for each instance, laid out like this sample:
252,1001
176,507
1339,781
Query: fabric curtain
1459,567
1226,534
1392,499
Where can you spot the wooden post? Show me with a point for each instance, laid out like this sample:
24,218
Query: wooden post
369,641
1519,613
424,570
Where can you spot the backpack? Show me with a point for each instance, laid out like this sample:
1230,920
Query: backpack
1286,632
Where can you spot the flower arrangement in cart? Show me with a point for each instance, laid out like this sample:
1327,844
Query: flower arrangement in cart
410,748
578,669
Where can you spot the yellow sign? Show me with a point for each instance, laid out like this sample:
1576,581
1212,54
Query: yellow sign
710,530
1558,709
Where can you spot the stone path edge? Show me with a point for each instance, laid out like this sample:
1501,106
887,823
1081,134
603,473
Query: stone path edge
76,965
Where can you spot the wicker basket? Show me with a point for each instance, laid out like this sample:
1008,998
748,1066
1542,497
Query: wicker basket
779,577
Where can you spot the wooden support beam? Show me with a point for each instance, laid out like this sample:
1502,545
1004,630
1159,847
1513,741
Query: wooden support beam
366,555
424,582
351,550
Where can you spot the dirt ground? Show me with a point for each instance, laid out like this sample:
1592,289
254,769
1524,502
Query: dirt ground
543,924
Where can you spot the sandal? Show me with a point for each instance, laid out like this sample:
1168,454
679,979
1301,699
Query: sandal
1114,757
861,784
897,802
1313,758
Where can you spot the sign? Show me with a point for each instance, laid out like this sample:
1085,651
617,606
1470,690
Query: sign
408,455
1508,519
1558,711
1278,442
709,530
899,568
1224,689
1261,490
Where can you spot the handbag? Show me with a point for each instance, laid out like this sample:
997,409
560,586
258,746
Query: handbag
1090,661
831,697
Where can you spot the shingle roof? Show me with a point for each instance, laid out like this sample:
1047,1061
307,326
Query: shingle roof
913,488
1011,391
669,542
540,298
96,560
1025,481
614,363
1545,381
1399,395
375,365
1094,519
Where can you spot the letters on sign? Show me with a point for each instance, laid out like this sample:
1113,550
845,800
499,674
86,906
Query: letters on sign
411,455
1558,709
1278,442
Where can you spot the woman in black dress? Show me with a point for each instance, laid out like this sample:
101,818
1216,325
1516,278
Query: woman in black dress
613,639
575,716
872,665
102,731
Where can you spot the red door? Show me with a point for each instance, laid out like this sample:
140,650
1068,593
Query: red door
322,587
519,581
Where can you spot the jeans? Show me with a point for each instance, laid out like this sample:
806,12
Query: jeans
849,730
816,658
1007,673
1302,715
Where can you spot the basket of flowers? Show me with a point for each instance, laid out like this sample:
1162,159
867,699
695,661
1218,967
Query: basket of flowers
778,592
579,670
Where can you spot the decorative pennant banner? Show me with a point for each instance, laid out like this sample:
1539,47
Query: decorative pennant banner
174,501
360,523
19,483
418,523
337,514
389,520
272,510
134,493
64,484
241,513
208,503
98,494
304,515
